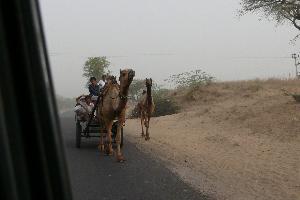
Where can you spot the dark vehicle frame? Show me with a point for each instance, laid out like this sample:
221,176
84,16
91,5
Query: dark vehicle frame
94,129
33,164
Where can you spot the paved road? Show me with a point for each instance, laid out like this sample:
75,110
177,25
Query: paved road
95,177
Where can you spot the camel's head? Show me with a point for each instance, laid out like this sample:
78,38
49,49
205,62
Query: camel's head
111,80
148,82
126,76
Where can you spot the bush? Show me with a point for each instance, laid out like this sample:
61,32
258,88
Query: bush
191,79
164,104
191,82
136,88
134,113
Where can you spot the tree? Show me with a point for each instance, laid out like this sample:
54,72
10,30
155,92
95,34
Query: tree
136,87
279,10
95,66
164,103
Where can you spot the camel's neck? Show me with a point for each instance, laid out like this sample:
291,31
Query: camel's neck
149,95
123,97
124,90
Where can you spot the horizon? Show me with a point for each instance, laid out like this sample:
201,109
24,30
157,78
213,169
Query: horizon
158,39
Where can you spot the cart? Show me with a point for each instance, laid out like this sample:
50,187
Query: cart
92,129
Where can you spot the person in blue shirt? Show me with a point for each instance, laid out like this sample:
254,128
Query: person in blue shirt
94,88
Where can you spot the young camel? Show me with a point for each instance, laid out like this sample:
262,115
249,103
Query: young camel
146,108
113,106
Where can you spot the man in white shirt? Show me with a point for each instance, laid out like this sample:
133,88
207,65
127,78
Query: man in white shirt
102,82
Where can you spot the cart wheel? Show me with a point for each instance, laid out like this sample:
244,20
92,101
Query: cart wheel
78,134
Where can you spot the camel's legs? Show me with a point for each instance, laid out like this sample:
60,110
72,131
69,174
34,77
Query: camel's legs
109,150
101,144
147,127
142,124
120,157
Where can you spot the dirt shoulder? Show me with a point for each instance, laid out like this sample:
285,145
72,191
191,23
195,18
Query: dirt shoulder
237,145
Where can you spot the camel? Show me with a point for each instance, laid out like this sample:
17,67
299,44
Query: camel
146,108
113,106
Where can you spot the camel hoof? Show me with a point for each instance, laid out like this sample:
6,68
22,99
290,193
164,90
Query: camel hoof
120,158
101,147
108,151
147,138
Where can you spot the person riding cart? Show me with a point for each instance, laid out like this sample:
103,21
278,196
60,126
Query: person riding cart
84,107
102,82
95,88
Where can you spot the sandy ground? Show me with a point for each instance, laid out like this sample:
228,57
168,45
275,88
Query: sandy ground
239,142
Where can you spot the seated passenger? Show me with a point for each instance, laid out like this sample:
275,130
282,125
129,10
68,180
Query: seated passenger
84,107
94,89
102,82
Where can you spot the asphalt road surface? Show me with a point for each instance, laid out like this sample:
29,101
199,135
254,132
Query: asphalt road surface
97,177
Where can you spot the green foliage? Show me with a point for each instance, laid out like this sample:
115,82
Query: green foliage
136,88
134,113
95,66
164,104
191,79
280,10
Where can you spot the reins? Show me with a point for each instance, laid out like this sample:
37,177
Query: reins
122,97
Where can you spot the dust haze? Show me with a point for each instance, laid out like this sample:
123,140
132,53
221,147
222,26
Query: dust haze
160,38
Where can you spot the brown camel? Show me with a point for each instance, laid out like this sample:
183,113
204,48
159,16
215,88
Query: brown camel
146,108
113,106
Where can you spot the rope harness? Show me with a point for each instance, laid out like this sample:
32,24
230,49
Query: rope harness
92,115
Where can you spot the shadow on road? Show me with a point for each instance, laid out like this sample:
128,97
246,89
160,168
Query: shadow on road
95,176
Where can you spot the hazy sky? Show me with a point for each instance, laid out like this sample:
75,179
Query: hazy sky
158,38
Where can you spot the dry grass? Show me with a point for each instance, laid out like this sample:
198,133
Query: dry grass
259,105
237,140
